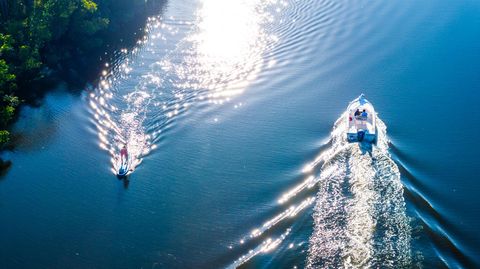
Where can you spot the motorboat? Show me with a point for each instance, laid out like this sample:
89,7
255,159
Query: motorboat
361,119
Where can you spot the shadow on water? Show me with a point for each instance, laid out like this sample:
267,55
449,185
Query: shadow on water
124,180
4,167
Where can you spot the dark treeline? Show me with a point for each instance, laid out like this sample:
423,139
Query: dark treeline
41,39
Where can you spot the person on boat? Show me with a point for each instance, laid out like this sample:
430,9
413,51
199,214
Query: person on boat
123,153
364,114
357,113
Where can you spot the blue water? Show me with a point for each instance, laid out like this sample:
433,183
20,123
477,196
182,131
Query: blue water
232,113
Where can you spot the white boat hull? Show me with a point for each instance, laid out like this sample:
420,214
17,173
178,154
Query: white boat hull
367,137
361,121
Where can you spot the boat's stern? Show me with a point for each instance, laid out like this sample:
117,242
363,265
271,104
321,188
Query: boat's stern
352,137
361,136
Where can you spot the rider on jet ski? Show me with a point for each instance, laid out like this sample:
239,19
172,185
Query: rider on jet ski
124,153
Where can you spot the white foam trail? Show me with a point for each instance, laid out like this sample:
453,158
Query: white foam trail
309,182
265,247
393,232
269,244
290,212
359,217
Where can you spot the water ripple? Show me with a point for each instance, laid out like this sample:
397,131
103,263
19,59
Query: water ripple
176,65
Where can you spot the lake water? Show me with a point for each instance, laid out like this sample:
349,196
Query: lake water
229,110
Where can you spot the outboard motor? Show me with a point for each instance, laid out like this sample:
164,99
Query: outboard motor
360,135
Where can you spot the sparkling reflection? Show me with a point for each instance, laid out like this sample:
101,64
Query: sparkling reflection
228,47
211,59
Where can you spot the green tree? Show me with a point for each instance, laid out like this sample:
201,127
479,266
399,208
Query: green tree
9,102
6,44
7,79
4,136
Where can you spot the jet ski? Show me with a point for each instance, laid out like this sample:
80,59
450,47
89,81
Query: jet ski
124,167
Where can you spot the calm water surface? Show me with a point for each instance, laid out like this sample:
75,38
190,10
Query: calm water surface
230,112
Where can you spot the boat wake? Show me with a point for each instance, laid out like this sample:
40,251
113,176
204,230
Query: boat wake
176,65
359,215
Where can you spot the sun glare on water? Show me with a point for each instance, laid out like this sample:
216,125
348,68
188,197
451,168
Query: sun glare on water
228,30
227,47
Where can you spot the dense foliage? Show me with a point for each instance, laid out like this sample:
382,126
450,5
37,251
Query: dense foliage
38,36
